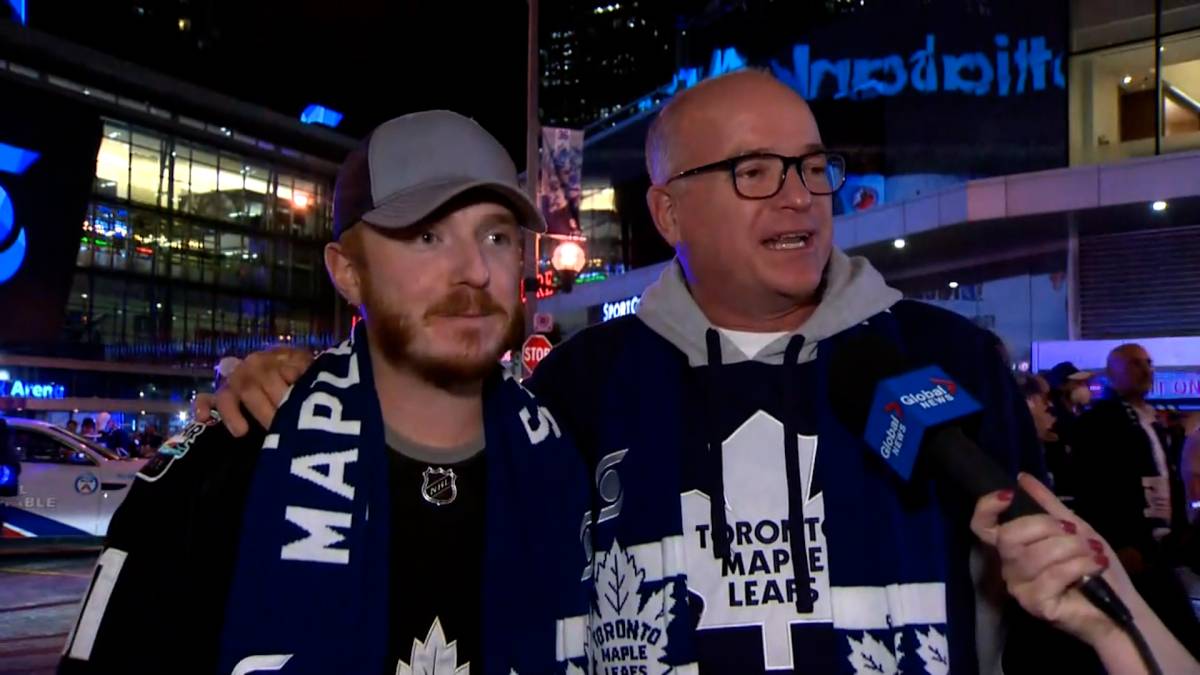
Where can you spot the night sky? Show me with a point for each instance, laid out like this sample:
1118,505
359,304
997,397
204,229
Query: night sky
370,59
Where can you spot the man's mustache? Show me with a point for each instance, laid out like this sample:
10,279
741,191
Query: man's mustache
466,302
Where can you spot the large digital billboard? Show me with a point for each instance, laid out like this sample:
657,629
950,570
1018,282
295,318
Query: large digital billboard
912,86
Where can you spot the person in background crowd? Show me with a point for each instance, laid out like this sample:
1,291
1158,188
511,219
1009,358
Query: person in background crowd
113,437
87,429
72,426
1128,491
1038,394
151,440
1069,396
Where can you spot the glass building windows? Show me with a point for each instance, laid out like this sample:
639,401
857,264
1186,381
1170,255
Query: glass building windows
1181,91
148,169
197,247
226,322
139,312
1107,104
112,164
197,313
1116,109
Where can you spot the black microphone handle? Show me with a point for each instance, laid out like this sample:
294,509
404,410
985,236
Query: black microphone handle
952,454
955,456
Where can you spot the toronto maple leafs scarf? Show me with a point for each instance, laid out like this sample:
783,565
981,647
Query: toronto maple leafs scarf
310,592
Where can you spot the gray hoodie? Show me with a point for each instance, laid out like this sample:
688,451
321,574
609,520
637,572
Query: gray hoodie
854,292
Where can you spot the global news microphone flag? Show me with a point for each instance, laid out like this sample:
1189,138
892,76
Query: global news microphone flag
560,181
906,406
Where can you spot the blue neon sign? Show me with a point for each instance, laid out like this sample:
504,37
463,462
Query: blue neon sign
1006,68
319,114
18,10
19,389
12,253
15,160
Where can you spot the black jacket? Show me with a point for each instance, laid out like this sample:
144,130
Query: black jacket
1112,455
157,598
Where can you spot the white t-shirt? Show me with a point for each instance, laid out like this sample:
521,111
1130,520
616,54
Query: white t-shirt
750,343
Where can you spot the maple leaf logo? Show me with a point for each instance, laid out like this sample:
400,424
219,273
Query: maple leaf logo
619,605
933,651
871,656
434,656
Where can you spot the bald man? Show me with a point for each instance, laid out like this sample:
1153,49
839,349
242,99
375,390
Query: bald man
737,526
766,535
1130,489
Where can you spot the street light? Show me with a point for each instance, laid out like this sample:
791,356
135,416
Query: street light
569,260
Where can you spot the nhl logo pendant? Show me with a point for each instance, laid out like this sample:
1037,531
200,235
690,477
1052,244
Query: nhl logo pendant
439,487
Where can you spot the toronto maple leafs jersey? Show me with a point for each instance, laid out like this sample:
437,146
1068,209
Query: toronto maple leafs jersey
828,563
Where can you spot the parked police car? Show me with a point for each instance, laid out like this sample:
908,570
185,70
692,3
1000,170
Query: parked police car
68,485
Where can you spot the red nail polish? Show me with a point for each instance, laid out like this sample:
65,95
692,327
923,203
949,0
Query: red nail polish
1005,495
1068,526
1102,560
1096,545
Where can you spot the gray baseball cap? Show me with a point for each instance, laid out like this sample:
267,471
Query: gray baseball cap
412,165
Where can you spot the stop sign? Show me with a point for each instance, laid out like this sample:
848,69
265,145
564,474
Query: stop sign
535,349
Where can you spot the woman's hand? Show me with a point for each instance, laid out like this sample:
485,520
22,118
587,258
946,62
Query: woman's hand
1044,556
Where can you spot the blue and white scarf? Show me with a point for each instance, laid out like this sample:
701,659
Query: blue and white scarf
311,589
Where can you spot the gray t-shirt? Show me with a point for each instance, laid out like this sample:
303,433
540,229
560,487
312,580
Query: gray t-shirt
429,454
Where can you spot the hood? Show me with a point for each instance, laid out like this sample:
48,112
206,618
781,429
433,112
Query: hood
854,292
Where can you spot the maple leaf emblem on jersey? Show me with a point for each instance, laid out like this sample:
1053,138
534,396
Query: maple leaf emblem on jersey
434,656
628,623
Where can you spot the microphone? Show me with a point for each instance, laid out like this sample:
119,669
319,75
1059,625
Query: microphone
902,412
899,411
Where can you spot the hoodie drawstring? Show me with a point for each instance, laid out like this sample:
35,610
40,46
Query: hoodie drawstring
791,445
795,481
716,469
